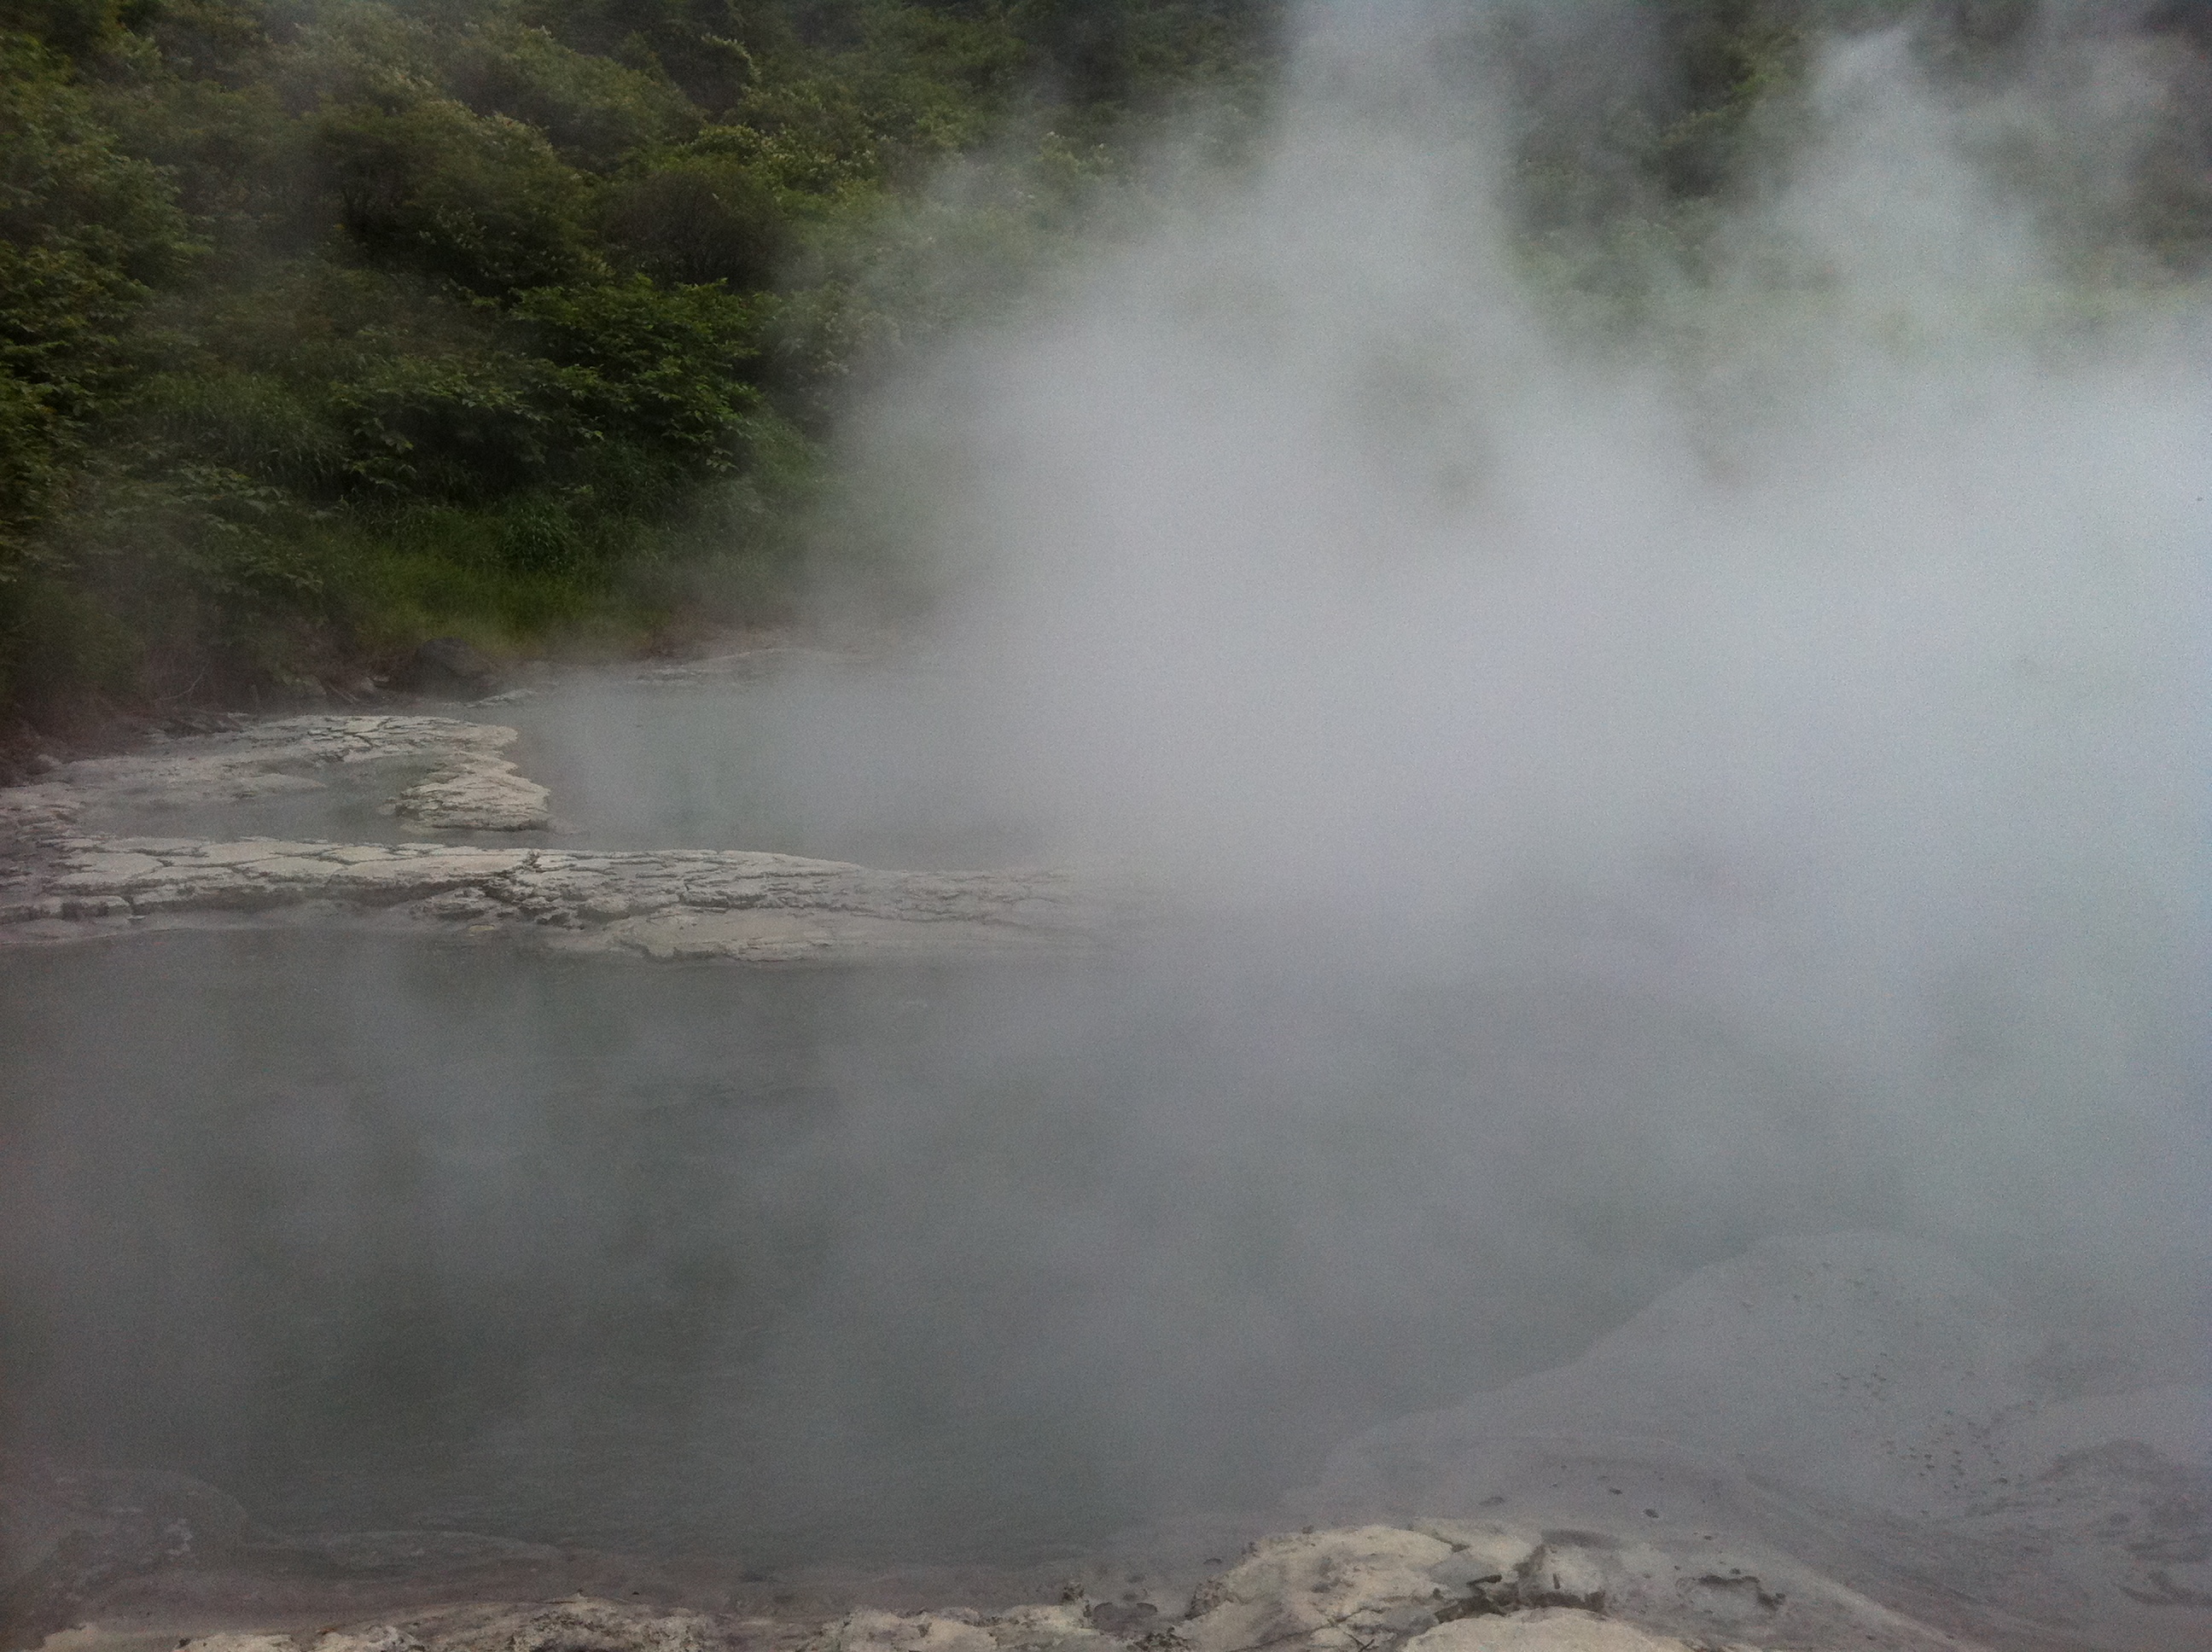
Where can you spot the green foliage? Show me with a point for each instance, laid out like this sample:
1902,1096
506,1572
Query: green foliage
84,228
480,201
1112,55
326,325
693,218
59,643
593,111
77,28
630,364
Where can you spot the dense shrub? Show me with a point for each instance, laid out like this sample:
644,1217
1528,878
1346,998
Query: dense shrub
324,323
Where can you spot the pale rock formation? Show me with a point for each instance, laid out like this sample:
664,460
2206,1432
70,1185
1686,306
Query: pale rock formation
573,1625
59,882
1428,1586
264,759
920,1631
479,793
1365,1589
1439,1586
1869,1408
1335,1592
378,1637
693,903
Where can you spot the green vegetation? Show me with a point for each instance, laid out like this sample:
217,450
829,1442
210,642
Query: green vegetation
329,325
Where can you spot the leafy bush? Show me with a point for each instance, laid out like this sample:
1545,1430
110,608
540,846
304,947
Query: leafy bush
327,324
83,229
694,219
480,201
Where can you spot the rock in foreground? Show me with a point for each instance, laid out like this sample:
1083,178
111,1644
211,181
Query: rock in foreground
1866,1404
1446,1587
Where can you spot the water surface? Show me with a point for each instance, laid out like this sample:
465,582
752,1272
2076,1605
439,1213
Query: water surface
975,1263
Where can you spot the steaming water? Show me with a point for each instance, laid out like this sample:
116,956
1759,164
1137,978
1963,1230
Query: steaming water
922,1265
819,756
1614,800
912,1263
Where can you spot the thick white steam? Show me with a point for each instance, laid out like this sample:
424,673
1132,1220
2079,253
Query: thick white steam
1824,645
1612,785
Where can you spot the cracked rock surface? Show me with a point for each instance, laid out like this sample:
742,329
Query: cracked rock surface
1444,1587
694,903
478,791
283,755
60,883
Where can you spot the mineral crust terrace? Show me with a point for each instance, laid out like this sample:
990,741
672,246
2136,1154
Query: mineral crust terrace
58,881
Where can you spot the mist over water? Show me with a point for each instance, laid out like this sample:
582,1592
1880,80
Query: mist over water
1610,784
922,1264
1817,641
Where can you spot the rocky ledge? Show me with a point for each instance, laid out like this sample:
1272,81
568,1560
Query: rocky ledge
470,785
699,903
58,881
1441,1586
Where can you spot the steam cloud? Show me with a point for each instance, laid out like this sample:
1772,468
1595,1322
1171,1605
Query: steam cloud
1625,782
1822,649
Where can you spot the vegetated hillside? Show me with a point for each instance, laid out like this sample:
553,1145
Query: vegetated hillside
329,325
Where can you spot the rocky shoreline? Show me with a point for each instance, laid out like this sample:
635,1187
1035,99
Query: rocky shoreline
1429,1586
59,882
